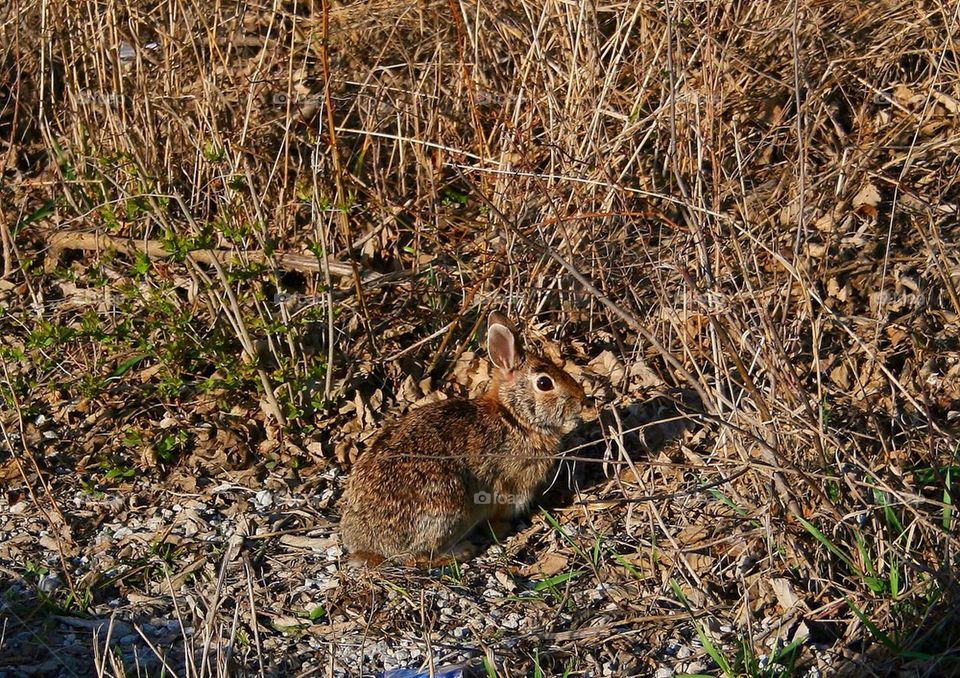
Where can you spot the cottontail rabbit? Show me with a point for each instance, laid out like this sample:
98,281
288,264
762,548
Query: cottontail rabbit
444,468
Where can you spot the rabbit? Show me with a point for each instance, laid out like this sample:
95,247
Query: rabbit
436,473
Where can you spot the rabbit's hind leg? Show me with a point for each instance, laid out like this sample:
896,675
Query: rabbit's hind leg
435,532
364,559
446,538
460,553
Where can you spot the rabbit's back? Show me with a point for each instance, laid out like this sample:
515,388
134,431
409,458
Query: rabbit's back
415,489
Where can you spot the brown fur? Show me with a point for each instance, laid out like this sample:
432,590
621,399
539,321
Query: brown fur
413,494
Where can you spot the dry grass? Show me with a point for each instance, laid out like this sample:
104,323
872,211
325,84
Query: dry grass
753,205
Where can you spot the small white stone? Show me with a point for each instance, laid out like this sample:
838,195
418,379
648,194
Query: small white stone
49,583
327,585
122,533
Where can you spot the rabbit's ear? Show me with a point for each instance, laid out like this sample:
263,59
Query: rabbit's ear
502,342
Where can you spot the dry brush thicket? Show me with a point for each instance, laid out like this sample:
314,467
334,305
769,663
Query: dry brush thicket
737,221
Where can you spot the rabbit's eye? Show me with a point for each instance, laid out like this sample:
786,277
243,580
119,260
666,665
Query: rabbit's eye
544,383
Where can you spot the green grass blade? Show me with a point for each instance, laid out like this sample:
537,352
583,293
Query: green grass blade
557,580
873,628
809,527
704,640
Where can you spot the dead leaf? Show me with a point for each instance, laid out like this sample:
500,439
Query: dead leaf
505,581
642,376
608,365
866,200
840,376
309,543
783,590
548,565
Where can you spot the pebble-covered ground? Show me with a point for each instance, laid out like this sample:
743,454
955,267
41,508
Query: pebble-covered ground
245,568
